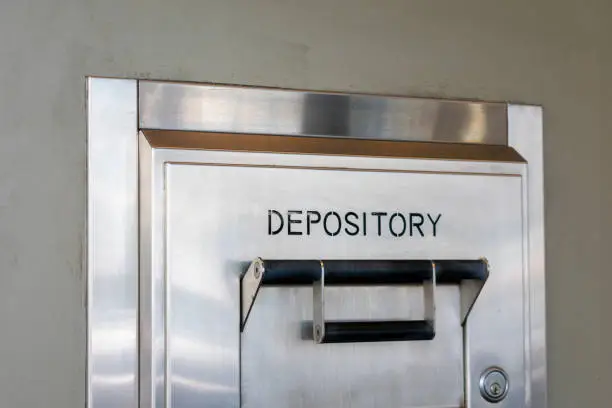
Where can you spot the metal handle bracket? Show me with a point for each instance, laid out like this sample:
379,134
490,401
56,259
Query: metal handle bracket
376,330
470,275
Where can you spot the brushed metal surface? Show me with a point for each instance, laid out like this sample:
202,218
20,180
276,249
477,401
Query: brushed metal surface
203,297
112,215
233,109
112,243
212,225
153,286
526,136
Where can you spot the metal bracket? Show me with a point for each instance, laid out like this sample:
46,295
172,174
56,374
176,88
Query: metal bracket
469,290
249,286
318,307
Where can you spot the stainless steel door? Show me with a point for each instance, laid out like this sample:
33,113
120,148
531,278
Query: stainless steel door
175,341
215,206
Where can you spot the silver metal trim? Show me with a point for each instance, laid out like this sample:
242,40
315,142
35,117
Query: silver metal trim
153,319
525,134
112,243
234,109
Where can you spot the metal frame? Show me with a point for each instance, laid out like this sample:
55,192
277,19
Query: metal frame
525,134
234,109
112,243
117,108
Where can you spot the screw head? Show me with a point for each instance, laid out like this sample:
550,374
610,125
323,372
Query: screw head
257,271
317,332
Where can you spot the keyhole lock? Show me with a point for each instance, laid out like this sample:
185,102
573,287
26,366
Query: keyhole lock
494,384
496,389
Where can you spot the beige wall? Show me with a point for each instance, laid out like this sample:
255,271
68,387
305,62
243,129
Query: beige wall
550,52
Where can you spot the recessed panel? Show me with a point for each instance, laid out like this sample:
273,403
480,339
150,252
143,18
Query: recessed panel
221,217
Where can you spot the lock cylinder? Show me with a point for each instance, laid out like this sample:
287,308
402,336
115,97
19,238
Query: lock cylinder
494,384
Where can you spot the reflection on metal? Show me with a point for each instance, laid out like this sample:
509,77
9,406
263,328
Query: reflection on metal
525,131
153,289
471,276
232,109
191,350
112,243
210,231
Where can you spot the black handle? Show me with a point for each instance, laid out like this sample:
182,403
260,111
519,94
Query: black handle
370,272
366,272
372,331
